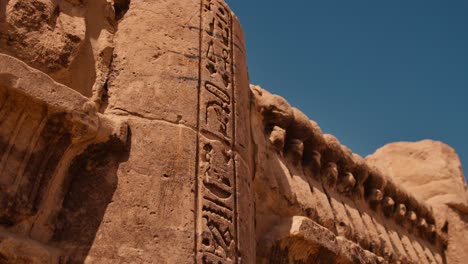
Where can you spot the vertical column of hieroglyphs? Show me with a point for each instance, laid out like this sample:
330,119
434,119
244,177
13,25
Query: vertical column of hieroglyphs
216,201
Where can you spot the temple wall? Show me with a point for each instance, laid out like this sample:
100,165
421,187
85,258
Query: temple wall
135,137
303,176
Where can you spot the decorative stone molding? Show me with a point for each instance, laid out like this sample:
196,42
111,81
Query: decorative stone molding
354,190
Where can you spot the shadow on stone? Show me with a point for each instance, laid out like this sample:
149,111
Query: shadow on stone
94,180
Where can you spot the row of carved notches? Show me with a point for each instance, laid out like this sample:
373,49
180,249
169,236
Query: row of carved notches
292,133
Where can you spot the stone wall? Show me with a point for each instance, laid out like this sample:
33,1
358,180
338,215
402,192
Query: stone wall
130,134
432,172
308,184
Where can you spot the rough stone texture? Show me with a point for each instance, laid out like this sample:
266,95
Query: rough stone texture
431,171
179,80
44,126
129,134
303,174
71,40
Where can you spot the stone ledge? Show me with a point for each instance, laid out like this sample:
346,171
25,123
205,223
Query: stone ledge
301,240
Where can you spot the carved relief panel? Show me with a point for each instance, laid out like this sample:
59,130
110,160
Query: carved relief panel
217,219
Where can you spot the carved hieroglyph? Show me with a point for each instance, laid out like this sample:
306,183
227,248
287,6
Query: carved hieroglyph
219,165
186,80
217,208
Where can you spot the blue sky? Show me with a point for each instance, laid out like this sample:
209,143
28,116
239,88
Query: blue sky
369,72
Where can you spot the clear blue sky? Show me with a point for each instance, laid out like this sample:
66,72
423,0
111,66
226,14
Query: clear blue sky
369,72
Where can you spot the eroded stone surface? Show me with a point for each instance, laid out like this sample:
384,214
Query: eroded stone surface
70,40
44,126
431,171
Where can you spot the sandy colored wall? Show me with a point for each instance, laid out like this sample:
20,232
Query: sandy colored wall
130,134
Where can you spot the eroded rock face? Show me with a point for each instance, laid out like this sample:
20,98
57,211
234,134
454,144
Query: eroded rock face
42,34
44,126
70,40
431,171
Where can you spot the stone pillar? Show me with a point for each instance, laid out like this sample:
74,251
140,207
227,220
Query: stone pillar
184,195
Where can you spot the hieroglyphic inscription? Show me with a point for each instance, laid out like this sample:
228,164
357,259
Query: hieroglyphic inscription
216,70
217,217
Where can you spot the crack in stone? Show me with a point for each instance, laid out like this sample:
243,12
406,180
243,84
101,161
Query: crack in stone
123,112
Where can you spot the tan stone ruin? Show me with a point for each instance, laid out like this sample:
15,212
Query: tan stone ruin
129,133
